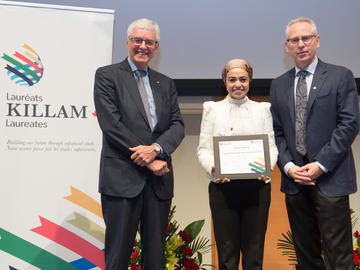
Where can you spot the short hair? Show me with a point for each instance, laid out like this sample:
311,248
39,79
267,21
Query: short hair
301,19
145,24
237,63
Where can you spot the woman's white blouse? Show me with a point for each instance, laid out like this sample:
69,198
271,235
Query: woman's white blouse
231,117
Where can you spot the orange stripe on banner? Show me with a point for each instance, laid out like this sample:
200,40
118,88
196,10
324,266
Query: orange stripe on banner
80,198
30,49
258,163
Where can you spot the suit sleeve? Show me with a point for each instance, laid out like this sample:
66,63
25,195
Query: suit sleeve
205,150
347,126
170,139
109,114
284,155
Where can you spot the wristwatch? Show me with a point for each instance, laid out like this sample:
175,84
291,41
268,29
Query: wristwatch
157,149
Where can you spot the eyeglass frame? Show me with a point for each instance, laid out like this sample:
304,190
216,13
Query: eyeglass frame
148,42
296,40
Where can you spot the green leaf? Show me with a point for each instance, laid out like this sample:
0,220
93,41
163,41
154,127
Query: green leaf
194,228
286,245
201,244
199,255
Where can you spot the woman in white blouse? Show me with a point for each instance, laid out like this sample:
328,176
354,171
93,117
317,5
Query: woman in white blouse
239,208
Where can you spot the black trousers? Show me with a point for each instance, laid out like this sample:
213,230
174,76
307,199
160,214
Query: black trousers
320,223
122,216
240,213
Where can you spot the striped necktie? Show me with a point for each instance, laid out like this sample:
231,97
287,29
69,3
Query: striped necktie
301,100
144,96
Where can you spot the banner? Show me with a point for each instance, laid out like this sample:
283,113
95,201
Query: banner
50,140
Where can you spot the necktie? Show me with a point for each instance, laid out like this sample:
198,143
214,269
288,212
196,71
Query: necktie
144,96
301,100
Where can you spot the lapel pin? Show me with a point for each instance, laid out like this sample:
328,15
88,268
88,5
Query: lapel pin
157,82
314,87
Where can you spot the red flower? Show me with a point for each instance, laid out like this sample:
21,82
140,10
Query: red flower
356,234
186,236
133,266
356,258
134,255
139,268
187,251
190,265
170,225
135,243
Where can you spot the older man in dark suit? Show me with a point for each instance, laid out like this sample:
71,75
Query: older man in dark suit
138,113
316,119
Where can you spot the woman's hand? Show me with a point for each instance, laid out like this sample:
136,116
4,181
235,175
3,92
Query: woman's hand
218,180
264,178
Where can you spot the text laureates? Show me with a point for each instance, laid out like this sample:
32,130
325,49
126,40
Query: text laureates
25,124
27,98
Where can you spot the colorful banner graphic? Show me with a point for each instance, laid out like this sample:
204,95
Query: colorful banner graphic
50,138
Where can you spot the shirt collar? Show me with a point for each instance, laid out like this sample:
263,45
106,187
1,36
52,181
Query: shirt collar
134,67
310,68
237,102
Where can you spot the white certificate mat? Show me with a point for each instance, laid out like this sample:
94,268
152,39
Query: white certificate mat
242,157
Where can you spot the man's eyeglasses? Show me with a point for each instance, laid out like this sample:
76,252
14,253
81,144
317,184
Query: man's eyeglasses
305,39
139,41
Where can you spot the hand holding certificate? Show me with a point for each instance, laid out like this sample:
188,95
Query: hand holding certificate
242,157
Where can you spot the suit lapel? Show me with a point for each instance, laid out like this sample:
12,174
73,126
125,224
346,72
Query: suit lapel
130,85
289,94
316,85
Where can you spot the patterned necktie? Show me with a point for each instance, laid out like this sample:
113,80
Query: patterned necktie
144,96
301,100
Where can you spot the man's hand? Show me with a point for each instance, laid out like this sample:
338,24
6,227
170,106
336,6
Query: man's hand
158,167
312,170
143,154
301,176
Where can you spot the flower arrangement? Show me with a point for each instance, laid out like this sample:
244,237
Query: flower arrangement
356,250
184,249
286,245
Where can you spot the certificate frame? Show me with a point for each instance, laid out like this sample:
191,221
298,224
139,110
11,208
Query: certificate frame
264,167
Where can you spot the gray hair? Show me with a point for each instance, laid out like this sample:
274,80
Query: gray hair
301,19
145,24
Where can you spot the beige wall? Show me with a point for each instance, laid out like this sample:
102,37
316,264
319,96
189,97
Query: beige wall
191,188
355,198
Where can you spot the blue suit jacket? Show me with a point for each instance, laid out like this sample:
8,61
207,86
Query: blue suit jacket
124,124
332,125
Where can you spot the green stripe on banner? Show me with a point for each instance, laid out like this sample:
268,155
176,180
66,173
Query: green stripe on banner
30,253
257,167
19,65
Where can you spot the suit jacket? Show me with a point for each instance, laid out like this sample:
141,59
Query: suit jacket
215,123
124,124
331,127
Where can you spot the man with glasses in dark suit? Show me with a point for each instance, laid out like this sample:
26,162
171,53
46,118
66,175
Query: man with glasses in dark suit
316,119
139,116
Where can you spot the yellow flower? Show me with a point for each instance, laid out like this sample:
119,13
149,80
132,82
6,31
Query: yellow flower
355,246
178,242
172,263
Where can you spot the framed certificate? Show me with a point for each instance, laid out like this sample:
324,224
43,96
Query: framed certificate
242,157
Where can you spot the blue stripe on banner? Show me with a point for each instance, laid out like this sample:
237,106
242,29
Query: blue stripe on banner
83,264
13,70
256,171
